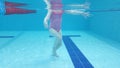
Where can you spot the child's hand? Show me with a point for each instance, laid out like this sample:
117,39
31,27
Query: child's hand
87,5
46,25
86,14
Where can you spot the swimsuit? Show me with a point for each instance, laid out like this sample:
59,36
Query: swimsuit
56,16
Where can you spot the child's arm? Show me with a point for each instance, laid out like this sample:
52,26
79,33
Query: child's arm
77,12
48,4
80,6
47,17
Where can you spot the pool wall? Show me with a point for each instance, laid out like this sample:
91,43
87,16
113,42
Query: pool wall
106,24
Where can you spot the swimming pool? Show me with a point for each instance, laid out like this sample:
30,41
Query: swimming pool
87,43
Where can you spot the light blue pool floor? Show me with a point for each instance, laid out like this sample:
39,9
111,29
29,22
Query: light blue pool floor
32,49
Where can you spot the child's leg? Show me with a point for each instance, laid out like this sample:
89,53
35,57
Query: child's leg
13,4
18,11
58,41
55,33
57,45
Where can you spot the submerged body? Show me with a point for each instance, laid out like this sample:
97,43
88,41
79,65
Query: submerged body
55,16
55,11
55,24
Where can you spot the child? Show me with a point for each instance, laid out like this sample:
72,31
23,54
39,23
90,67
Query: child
55,11
55,15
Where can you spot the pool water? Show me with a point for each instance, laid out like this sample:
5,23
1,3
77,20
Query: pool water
32,49
91,42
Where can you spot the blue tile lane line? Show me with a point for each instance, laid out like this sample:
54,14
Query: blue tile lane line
78,59
6,36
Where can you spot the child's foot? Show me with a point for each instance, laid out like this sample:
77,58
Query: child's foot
55,55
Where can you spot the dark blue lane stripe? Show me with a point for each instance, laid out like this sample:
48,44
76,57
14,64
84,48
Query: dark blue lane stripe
12,39
77,63
6,36
78,59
